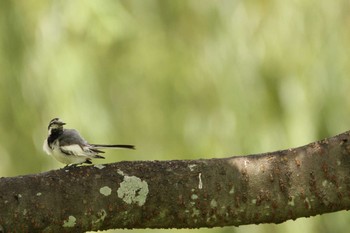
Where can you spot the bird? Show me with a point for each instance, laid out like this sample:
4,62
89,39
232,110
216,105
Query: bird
69,147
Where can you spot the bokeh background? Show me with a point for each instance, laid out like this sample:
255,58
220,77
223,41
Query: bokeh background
179,79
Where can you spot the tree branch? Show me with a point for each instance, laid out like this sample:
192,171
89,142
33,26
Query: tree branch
263,188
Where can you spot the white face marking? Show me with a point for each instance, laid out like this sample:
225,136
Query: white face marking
54,127
55,124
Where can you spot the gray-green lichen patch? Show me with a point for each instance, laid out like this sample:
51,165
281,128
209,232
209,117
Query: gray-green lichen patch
70,222
324,183
191,167
212,218
99,166
106,191
133,190
120,172
232,191
213,203
38,194
195,212
291,201
101,215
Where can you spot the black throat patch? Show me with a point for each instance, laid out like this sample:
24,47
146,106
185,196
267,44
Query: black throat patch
55,133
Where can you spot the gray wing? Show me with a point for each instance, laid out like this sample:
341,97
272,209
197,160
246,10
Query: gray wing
71,137
72,143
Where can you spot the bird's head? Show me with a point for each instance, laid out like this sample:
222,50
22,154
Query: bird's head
55,123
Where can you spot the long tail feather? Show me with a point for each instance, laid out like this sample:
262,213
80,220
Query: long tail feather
114,146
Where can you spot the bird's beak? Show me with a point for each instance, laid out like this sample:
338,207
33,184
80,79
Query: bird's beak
60,123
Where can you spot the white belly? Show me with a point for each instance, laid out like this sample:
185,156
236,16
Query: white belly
67,159
61,157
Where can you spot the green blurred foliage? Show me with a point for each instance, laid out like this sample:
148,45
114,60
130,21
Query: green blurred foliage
179,79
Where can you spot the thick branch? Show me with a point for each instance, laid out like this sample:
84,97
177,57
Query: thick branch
264,188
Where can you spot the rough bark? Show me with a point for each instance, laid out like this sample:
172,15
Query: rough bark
263,188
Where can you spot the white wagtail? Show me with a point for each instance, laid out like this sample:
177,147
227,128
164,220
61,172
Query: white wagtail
68,147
